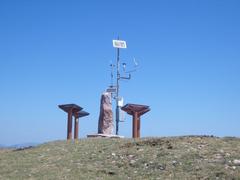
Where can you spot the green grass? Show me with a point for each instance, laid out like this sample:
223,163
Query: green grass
189,157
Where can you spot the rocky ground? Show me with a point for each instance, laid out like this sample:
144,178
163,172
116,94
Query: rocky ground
188,157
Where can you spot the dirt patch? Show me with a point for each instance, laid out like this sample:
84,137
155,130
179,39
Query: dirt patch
149,142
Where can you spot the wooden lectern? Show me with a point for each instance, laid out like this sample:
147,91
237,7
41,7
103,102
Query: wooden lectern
73,110
136,110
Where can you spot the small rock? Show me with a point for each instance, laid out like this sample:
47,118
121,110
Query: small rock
146,165
174,163
226,167
200,146
197,168
113,154
218,156
221,151
233,167
227,154
236,162
130,156
132,162
162,167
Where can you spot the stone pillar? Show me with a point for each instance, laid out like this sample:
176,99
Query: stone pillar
105,121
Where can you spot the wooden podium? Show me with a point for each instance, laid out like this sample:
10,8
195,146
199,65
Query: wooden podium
73,110
136,110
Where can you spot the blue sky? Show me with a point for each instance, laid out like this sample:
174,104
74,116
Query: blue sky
56,52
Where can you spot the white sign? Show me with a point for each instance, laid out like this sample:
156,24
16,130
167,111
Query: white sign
119,44
120,102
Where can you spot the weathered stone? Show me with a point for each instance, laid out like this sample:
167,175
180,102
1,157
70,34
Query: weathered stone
236,162
105,122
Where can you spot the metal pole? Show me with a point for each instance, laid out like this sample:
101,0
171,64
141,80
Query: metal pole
117,93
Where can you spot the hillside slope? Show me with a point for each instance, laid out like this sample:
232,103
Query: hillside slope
188,157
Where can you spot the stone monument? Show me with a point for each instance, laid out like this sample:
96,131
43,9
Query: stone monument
105,121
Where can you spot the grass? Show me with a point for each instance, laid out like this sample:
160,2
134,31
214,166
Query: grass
189,157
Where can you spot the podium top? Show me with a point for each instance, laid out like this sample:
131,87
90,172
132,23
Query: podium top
70,107
135,108
80,114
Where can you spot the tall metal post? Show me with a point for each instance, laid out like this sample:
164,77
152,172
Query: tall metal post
118,44
117,92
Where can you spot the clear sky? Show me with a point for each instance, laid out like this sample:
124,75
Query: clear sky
54,52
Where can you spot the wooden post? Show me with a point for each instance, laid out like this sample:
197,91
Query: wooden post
138,126
76,124
135,122
69,125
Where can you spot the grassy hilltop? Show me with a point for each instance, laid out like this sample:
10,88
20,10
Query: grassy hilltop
189,157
